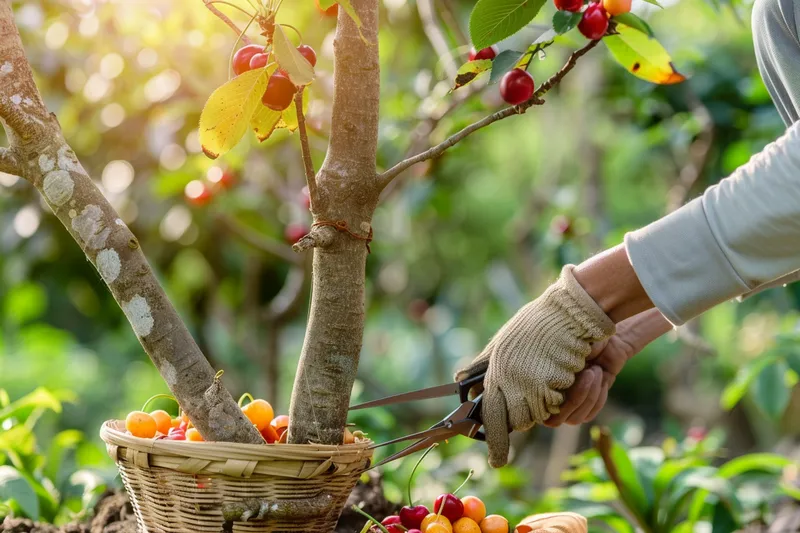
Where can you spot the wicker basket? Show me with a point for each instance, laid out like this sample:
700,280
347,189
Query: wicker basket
188,487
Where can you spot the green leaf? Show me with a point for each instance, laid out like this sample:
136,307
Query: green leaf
14,487
5,399
296,66
736,390
670,472
40,398
642,56
469,72
770,391
754,462
505,61
61,444
228,111
655,3
792,359
563,21
494,20
634,21
631,490
25,302
722,520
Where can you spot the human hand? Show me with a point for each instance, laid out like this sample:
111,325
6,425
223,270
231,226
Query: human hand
587,396
534,357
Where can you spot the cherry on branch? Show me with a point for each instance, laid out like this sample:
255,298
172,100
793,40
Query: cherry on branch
280,92
309,53
486,53
241,59
617,7
594,23
516,86
330,12
569,5
197,193
259,61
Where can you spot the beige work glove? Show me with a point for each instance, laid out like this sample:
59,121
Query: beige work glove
533,357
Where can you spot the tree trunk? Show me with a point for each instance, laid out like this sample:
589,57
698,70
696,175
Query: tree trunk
39,153
347,190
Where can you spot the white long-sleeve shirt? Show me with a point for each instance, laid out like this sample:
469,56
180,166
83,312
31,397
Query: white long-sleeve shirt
743,234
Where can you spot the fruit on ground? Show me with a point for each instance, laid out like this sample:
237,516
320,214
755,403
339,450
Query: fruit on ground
294,232
474,508
280,92
485,53
330,12
451,506
412,517
616,7
241,59
466,525
309,53
569,5
516,86
392,524
259,412
494,524
140,424
259,61
432,519
594,23
163,421
270,435
194,435
280,423
197,193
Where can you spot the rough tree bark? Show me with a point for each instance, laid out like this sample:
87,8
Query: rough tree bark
347,190
39,153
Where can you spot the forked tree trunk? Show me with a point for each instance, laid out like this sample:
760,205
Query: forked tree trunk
347,190
39,154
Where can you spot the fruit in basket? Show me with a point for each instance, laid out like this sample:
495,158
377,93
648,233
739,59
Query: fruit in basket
412,517
176,434
270,435
280,423
259,412
494,524
141,424
474,508
163,421
193,435
466,525
433,520
451,506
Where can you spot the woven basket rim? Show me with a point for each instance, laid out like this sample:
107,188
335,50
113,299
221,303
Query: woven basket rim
113,433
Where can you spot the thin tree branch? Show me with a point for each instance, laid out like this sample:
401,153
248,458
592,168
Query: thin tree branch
224,18
430,24
8,163
385,178
311,179
258,240
451,22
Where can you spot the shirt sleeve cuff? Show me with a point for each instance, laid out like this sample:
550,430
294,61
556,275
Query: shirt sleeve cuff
681,266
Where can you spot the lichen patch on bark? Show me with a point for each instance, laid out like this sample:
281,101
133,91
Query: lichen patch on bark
58,187
108,264
138,312
46,164
90,227
6,68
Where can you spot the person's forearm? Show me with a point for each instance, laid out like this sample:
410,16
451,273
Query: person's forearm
610,280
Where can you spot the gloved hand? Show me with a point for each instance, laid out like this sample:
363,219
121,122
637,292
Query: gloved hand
534,357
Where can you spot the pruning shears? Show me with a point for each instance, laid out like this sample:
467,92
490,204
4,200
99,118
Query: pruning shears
465,420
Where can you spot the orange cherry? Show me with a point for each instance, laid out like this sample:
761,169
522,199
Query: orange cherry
194,435
474,508
140,424
259,412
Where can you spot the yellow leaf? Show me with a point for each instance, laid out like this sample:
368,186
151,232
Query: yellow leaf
470,70
643,56
296,66
227,112
289,116
264,122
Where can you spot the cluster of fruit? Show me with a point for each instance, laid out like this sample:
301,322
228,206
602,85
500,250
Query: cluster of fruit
280,89
517,85
450,515
161,425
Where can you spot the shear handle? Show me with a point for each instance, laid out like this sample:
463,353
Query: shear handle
466,385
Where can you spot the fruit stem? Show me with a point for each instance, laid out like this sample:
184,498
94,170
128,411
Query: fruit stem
469,476
411,477
157,396
236,44
369,517
232,5
295,30
245,395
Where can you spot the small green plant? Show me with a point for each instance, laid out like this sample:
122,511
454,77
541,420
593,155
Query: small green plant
31,483
672,488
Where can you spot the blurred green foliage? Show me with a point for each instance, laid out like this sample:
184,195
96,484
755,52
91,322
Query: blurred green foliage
460,242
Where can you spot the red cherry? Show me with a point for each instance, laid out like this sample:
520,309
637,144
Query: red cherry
594,23
516,86
241,59
486,53
453,508
259,61
309,53
569,5
330,12
412,517
280,92
270,434
562,225
414,531
294,232
393,524
197,193
176,434
697,433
